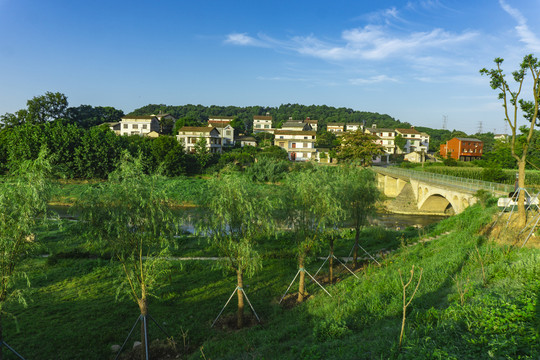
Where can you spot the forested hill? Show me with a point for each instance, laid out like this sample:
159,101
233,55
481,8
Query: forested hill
323,113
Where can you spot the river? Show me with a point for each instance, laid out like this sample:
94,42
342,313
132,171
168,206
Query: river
386,220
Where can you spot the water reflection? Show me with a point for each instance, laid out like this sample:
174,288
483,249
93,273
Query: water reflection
386,220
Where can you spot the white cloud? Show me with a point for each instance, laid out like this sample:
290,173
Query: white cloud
241,39
525,34
372,80
375,43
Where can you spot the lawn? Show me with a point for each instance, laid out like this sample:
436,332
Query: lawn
74,310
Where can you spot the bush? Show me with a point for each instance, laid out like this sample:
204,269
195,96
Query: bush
494,174
266,169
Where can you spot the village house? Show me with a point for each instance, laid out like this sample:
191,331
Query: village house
220,119
313,123
300,145
226,132
353,127
190,135
262,124
139,125
336,128
385,138
246,141
296,125
114,127
416,141
465,149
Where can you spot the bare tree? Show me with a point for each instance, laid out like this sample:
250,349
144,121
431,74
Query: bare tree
513,103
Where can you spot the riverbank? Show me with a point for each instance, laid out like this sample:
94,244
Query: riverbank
477,299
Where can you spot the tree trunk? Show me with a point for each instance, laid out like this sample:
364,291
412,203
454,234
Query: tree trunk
522,215
240,314
143,307
355,251
331,262
302,285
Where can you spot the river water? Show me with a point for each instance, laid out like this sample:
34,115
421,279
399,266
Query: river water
386,220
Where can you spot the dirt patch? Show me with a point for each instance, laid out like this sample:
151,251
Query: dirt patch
290,300
228,322
504,231
159,349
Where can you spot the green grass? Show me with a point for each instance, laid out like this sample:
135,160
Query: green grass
73,311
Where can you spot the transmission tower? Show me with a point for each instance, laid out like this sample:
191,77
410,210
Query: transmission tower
444,121
479,127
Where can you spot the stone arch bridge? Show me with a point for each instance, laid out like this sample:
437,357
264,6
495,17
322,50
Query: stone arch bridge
416,192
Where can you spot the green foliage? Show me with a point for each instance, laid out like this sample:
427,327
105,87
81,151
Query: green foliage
450,162
499,318
310,207
323,113
326,139
358,147
86,116
127,216
23,201
400,142
201,153
494,174
267,169
239,213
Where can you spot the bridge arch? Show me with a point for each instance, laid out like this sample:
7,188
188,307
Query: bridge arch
437,203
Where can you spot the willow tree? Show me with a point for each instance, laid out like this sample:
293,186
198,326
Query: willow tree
516,106
128,217
358,193
238,214
23,205
312,210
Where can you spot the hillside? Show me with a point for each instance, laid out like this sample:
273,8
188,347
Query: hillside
323,113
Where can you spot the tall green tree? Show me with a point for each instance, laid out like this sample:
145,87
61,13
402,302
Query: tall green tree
201,153
358,193
128,217
358,147
239,214
512,103
311,210
47,107
97,155
23,205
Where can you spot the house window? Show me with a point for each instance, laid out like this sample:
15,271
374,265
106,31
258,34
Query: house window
144,126
125,126
267,126
135,126
258,126
281,137
228,132
282,144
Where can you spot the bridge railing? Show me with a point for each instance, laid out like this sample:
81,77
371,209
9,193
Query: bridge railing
448,180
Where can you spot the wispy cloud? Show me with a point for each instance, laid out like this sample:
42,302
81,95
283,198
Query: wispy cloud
525,34
373,80
371,42
243,39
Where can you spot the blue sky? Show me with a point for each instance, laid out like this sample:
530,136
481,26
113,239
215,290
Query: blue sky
414,60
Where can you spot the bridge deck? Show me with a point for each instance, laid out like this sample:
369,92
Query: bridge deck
451,182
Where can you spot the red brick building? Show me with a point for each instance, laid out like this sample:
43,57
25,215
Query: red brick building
465,149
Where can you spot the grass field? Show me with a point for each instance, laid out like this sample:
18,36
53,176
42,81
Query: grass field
73,311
